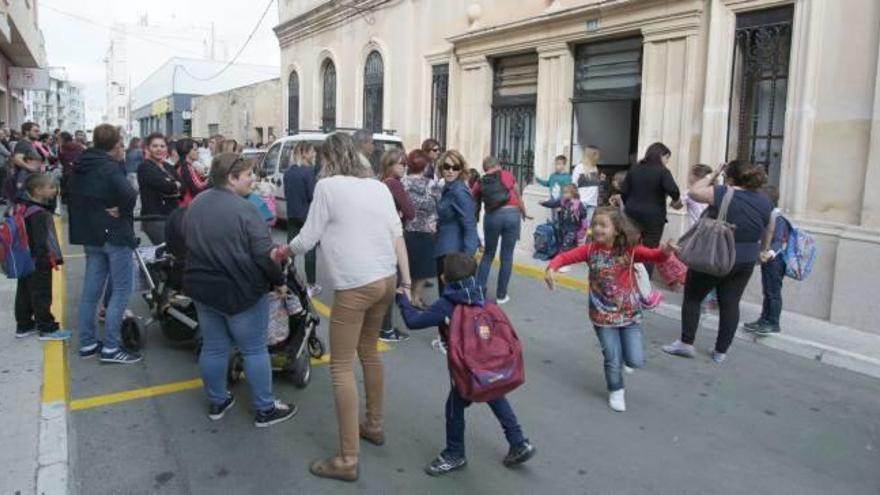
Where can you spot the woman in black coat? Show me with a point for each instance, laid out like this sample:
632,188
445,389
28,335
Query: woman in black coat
160,187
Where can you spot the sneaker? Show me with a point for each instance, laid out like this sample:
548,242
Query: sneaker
445,463
628,370
119,356
22,333
90,350
719,357
314,290
56,335
519,454
753,326
504,300
438,345
617,400
217,411
279,413
679,348
429,284
393,335
565,269
767,329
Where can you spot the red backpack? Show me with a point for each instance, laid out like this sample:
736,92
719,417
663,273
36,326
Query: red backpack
485,355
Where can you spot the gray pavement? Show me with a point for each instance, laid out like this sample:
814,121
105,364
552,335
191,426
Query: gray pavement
765,422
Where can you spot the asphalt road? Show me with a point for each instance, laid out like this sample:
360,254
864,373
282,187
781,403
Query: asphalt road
764,422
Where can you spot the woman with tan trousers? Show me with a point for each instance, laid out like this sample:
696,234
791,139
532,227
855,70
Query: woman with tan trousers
353,217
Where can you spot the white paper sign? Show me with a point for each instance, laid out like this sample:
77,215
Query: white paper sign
27,78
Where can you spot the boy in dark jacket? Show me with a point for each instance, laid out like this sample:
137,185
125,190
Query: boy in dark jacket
461,288
33,296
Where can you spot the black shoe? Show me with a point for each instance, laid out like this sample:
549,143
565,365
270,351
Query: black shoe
21,333
217,411
767,329
445,463
279,413
120,356
429,284
393,335
519,453
753,326
91,351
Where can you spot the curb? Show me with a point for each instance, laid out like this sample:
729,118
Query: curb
823,353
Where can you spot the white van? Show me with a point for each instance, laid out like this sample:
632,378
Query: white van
280,156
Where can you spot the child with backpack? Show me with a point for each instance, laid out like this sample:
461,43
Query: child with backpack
772,269
463,302
615,308
33,295
558,179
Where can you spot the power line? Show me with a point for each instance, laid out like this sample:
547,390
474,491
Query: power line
240,50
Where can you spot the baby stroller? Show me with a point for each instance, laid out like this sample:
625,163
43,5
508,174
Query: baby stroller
292,355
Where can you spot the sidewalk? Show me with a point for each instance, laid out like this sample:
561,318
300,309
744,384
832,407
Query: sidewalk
21,376
804,336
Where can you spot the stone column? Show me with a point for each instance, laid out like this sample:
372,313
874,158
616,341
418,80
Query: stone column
475,109
553,110
870,199
716,103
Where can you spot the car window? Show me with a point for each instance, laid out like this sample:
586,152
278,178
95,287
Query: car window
270,164
286,157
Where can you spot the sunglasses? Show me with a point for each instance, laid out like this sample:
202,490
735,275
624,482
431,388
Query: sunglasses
456,168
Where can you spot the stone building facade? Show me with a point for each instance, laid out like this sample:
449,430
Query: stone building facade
791,84
249,113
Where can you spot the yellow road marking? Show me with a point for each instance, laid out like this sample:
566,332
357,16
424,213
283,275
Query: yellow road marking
56,380
138,393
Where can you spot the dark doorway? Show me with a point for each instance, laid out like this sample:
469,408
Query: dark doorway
514,95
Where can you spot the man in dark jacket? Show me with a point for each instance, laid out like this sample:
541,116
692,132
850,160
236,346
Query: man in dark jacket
299,189
101,204
68,153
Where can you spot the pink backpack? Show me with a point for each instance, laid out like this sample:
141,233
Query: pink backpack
485,355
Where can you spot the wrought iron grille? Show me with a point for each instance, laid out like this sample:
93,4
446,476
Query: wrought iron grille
293,103
515,85
328,114
760,87
439,102
374,73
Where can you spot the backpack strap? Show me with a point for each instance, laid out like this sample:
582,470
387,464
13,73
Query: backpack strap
725,204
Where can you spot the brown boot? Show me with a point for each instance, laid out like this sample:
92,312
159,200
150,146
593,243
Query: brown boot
374,436
335,468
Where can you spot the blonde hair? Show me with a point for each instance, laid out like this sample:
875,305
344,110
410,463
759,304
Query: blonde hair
341,158
389,160
591,156
299,152
456,159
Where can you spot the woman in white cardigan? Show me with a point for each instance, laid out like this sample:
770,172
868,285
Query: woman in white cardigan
353,217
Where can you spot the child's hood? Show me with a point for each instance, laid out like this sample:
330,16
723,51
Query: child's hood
465,291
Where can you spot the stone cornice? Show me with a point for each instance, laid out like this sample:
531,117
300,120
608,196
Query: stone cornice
321,18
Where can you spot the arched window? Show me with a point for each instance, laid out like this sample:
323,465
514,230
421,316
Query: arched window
374,72
328,78
293,103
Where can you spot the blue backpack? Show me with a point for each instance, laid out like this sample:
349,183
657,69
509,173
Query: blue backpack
799,253
15,253
546,245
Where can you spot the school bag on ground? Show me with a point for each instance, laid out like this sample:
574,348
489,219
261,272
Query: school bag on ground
546,246
799,253
15,252
494,193
709,246
484,354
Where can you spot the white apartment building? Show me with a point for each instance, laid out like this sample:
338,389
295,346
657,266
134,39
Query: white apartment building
61,107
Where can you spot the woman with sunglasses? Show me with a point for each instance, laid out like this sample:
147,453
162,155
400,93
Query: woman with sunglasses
432,148
456,211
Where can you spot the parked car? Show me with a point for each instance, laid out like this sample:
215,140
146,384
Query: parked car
280,155
254,154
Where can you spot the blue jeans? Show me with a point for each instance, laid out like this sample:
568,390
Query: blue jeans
455,406
247,331
503,223
620,345
104,263
772,274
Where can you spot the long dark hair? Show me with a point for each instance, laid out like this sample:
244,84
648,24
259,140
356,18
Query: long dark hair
654,155
183,146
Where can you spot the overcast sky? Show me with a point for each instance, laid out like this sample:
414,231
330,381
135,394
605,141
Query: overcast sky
80,45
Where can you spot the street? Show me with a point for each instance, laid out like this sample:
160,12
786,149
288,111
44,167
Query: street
764,422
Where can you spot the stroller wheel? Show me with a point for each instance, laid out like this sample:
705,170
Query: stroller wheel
235,370
131,334
316,347
301,374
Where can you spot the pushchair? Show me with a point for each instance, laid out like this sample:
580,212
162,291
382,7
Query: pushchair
292,356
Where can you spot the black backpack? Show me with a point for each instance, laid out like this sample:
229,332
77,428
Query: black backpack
495,194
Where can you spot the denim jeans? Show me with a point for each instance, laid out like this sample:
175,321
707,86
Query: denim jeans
772,274
117,263
620,345
503,223
294,227
455,406
246,331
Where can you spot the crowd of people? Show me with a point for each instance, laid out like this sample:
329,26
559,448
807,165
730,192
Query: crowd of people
389,229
